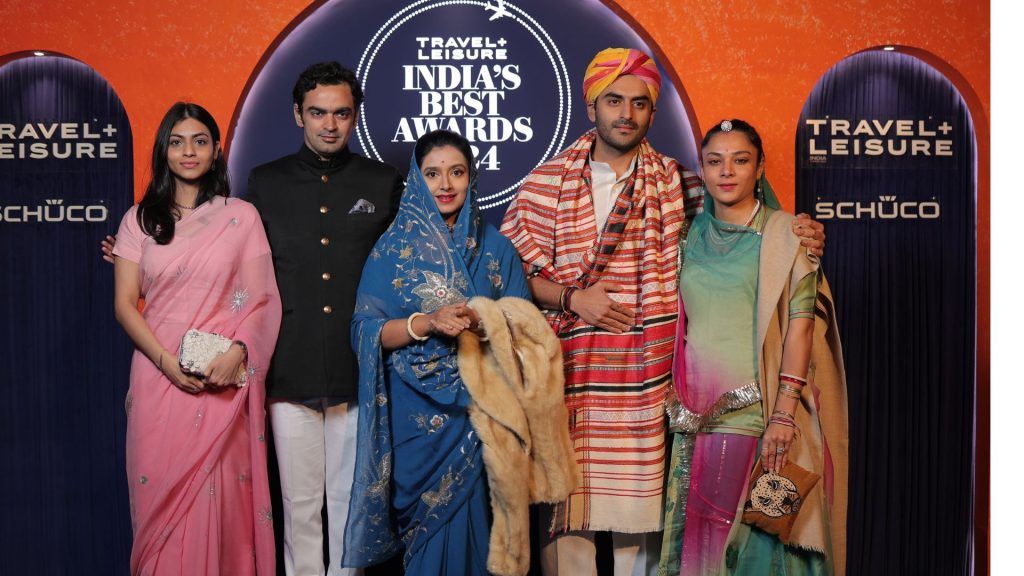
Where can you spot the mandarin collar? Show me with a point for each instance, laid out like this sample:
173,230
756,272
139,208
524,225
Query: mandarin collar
310,158
608,167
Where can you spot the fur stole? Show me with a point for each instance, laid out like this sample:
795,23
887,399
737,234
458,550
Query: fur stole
516,385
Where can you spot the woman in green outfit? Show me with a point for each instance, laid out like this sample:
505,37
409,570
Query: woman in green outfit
748,382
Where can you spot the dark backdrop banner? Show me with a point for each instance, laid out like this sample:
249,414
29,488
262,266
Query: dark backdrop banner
506,74
65,181
886,159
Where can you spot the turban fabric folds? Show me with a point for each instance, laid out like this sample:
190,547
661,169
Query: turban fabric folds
611,63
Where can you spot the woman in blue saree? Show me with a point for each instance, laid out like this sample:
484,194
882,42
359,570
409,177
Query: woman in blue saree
420,482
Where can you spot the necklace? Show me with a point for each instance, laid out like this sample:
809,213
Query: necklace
753,214
720,239
183,207
749,221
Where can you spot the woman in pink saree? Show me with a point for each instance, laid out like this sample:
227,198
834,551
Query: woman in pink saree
196,452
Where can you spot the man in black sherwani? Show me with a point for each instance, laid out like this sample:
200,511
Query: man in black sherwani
323,208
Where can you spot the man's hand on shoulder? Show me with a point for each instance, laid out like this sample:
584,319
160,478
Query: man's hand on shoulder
811,233
107,248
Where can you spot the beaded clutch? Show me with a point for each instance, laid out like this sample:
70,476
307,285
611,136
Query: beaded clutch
198,349
774,500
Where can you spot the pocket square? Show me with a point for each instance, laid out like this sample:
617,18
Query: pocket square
362,207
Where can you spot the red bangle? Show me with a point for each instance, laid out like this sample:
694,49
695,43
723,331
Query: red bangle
783,377
568,301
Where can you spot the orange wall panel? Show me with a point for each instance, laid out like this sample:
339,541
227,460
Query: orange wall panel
756,60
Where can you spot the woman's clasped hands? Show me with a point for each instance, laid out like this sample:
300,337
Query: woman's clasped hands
453,319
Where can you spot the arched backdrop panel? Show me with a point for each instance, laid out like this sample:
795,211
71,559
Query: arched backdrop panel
65,182
510,81
886,158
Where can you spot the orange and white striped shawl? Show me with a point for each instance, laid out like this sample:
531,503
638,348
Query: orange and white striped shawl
615,383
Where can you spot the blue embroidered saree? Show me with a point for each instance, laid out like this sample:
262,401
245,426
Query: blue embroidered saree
419,482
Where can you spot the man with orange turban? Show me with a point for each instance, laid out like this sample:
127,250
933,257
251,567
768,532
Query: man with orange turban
612,63
598,229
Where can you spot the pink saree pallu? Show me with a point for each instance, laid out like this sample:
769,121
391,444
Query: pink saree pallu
196,464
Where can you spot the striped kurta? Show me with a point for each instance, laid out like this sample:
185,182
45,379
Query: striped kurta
615,383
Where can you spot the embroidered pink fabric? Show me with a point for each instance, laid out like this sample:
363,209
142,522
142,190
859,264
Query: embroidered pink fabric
197,464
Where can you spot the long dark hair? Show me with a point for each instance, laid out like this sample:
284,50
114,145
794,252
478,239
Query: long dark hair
439,138
156,210
741,126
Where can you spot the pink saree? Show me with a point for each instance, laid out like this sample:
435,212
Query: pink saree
197,464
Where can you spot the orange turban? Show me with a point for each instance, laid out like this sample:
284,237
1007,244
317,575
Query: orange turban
611,63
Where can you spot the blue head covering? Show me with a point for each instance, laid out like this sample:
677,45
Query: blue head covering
418,265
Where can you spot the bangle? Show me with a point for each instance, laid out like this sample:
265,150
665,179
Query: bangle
785,422
245,349
568,300
408,327
783,377
561,298
790,389
779,412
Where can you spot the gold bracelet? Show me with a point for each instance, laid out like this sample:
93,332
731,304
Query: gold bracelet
408,328
789,388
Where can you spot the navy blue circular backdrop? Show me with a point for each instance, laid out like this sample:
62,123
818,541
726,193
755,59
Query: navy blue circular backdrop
507,75
886,158
65,182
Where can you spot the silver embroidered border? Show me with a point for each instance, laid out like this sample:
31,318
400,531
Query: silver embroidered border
681,419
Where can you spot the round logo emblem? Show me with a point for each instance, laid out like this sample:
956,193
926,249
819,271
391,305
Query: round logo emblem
485,69
505,74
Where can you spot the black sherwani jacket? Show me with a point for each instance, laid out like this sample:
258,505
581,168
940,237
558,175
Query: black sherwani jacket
322,219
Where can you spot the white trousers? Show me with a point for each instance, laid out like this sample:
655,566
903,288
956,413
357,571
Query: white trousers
316,455
574,554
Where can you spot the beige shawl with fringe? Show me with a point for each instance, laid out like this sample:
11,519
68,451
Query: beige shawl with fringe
823,444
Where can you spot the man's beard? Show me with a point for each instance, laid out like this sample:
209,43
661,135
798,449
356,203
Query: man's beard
606,131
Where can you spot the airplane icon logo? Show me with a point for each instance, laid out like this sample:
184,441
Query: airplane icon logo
499,10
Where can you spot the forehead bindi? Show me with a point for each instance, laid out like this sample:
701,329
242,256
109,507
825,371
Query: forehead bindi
729,144
444,156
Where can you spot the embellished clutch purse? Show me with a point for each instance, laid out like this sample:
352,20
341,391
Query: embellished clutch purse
774,500
198,349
